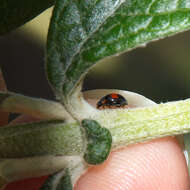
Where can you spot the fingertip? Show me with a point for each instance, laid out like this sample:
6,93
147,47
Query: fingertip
29,184
158,164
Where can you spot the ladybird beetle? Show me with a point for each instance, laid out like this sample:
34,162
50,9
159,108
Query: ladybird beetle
112,101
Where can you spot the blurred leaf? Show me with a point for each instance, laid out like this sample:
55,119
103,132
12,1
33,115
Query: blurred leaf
58,181
84,32
37,28
15,13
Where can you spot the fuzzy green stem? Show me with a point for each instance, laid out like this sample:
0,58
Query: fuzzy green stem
141,124
127,126
40,138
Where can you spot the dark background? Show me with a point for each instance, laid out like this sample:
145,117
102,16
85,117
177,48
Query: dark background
159,71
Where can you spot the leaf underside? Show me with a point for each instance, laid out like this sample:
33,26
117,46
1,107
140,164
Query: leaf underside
58,182
16,13
84,32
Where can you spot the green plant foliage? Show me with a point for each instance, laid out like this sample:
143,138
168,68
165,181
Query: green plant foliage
99,142
84,32
15,13
57,182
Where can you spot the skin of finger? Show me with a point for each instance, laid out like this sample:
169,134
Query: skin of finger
2,82
4,116
158,164
27,184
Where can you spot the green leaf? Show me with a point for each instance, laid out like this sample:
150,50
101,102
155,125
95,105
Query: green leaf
40,138
15,13
84,32
99,141
58,181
